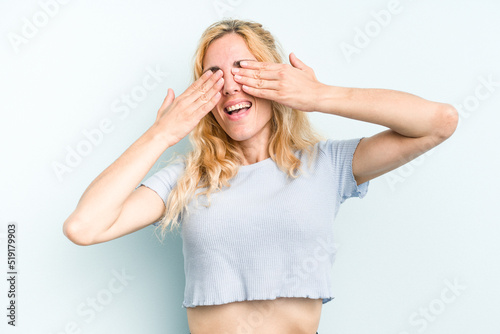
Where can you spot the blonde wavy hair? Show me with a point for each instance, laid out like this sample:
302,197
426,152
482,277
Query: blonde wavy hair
215,159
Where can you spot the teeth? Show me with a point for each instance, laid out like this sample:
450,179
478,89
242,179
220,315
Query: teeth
239,106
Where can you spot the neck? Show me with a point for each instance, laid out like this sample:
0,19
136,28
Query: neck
254,149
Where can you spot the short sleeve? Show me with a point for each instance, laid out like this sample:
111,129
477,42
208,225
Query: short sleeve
163,181
340,153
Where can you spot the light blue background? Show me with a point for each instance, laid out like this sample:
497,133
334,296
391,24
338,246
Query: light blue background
430,222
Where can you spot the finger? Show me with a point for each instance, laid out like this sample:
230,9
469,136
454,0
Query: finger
257,83
251,64
296,62
204,87
205,108
168,99
257,74
208,96
195,86
268,94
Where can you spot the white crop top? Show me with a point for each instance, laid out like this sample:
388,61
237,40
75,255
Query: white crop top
266,236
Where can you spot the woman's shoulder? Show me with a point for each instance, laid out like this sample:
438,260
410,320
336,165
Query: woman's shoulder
333,147
172,170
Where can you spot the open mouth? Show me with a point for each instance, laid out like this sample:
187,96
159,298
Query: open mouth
237,108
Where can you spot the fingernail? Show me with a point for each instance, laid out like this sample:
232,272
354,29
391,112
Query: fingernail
220,81
237,77
236,70
243,63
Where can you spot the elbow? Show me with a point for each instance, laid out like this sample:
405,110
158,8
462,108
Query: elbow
446,121
74,231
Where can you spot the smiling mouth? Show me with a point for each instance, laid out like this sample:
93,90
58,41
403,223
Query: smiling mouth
240,107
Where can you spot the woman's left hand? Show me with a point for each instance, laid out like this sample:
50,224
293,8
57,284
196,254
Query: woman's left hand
293,85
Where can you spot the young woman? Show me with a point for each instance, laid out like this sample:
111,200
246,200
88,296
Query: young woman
257,196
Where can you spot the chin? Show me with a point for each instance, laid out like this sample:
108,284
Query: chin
238,137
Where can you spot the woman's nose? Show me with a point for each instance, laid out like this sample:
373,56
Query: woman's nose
230,86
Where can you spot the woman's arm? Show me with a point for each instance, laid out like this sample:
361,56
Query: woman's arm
416,125
110,207
104,199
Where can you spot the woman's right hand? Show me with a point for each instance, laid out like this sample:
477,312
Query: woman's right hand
177,117
113,205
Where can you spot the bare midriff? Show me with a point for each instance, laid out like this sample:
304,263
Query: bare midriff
281,315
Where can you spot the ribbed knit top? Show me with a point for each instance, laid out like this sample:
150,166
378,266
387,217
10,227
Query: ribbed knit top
267,235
